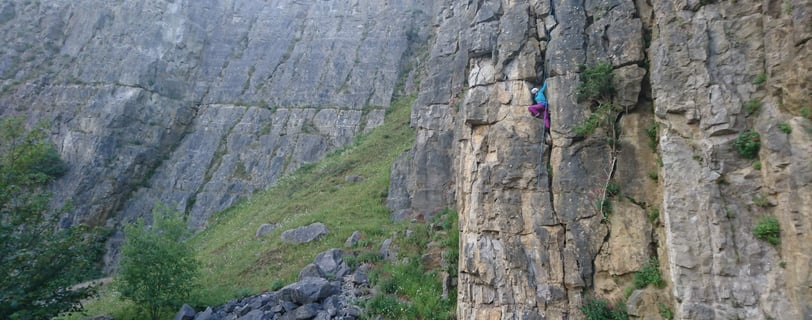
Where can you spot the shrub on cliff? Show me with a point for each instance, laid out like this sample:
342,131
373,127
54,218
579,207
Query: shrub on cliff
748,144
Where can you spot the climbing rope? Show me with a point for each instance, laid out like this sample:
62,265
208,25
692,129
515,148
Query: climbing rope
541,167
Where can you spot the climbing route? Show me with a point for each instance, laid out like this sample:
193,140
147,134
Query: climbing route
541,167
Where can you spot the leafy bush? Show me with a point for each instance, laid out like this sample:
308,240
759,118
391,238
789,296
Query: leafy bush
650,274
596,83
748,144
757,165
158,268
596,308
768,229
785,128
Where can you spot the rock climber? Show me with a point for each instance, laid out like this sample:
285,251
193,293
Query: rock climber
540,109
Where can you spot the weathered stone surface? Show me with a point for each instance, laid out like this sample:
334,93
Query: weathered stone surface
265,229
549,235
352,240
307,290
304,234
186,312
389,250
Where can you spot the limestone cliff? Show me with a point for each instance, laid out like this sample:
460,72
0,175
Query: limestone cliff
690,77
198,103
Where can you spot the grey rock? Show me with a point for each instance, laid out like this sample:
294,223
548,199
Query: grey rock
311,271
389,250
354,179
306,312
265,229
307,290
304,234
186,312
253,315
204,315
330,261
352,240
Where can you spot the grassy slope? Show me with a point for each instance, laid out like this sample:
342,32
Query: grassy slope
235,263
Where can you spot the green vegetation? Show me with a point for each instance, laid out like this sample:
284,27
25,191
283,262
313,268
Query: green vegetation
760,79
595,308
653,175
650,274
748,144
612,188
38,263
596,83
761,200
665,311
767,229
233,262
410,289
158,267
757,165
806,112
752,106
785,127
653,214
652,132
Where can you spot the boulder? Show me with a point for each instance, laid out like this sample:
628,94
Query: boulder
304,234
307,290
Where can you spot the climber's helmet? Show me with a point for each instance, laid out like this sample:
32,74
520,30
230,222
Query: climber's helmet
534,90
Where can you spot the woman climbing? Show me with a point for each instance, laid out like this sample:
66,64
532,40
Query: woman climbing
540,109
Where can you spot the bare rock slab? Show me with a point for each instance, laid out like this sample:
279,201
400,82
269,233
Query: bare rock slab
304,234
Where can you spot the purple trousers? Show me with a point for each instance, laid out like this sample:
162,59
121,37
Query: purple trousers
538,110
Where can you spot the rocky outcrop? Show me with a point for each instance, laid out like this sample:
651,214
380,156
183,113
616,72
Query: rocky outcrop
534,240
197,103
331,293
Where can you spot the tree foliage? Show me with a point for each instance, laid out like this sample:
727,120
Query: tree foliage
158,268
38,262
596,83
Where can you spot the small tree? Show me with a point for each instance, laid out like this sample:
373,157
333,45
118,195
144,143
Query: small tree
38,262
158,268
596,88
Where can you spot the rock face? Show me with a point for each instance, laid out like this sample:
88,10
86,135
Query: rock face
534,240
197,103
